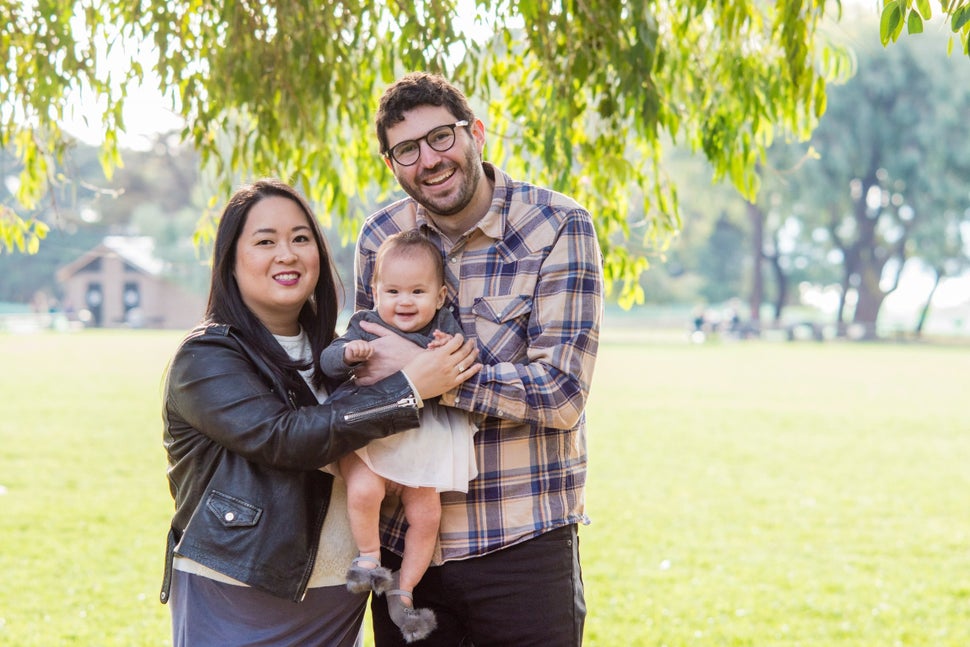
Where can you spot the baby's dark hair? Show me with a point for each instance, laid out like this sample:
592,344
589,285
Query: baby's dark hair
409,244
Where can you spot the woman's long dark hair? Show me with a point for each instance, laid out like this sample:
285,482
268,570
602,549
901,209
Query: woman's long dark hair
318,317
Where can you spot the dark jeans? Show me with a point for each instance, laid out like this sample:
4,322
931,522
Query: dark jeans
527,594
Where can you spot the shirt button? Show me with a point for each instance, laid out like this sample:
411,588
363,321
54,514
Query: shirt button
453,259
230,516
456,400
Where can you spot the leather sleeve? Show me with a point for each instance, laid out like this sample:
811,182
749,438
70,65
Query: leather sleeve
217,394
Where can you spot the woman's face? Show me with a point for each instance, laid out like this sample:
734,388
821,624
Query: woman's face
277,263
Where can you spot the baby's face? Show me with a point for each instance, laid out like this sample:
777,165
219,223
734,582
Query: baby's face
407,293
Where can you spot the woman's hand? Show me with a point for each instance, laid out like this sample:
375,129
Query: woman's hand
436,370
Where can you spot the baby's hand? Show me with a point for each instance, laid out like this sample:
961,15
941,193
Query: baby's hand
439,339
357,351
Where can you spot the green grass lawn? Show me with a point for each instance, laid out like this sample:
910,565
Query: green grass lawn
741,494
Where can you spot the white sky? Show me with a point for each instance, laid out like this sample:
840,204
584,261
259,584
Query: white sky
146,112
145,115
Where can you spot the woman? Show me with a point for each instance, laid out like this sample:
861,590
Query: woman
257,526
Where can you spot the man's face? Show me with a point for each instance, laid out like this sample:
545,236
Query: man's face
443,182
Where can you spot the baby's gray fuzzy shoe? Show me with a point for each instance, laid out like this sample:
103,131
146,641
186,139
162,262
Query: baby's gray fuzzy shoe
362,580
415,624
381,580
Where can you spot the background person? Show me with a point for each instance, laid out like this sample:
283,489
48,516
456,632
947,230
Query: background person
257,526
524,277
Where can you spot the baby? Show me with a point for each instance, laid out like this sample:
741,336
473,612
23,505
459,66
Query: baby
409,292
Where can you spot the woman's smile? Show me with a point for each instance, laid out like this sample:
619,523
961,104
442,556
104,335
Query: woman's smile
287,278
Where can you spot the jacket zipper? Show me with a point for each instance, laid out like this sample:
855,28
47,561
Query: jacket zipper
407,402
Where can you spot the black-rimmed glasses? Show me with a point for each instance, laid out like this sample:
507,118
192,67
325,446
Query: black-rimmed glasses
440,139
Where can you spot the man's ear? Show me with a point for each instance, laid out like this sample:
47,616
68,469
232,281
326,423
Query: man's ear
387,160
478,134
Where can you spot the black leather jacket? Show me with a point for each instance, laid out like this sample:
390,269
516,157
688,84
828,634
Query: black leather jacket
243,455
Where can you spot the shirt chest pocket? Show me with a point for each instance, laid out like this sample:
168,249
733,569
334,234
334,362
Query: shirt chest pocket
232,512
502,326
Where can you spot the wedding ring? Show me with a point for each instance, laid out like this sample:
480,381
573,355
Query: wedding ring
461,369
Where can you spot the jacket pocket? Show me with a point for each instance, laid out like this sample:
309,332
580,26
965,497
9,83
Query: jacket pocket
232,512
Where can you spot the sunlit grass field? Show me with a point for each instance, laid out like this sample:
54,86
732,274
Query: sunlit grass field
743,493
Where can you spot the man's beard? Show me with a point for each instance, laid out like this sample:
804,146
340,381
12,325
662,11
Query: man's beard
471,170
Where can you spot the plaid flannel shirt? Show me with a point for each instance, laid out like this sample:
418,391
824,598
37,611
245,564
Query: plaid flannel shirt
527,283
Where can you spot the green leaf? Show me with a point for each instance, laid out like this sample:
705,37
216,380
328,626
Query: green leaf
914,24
961,17
890,22
925,11
821,99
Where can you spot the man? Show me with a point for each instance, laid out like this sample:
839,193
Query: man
524,275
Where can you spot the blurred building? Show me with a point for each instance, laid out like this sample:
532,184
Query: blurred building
121,284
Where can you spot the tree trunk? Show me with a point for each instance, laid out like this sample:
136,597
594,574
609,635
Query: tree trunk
781,282
845,286
925,310
867,310
757,250
871,295
849,254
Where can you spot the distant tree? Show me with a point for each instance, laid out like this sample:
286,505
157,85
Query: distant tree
784,227
75,229
940,245
722,262
22,278
789,252
887,187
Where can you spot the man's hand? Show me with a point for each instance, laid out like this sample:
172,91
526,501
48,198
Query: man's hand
390,353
